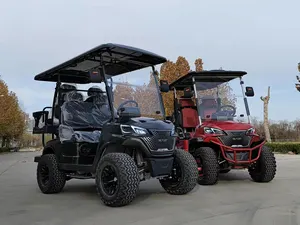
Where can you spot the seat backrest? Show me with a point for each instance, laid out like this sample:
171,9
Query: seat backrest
190,118
83,115
188,109
65,90
207,108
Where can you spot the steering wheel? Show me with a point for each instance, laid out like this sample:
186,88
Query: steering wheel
231,113
126,102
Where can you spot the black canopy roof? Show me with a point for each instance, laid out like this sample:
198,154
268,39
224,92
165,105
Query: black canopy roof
117,59
216,76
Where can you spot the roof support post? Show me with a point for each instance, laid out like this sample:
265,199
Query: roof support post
107,89
197,102
155,75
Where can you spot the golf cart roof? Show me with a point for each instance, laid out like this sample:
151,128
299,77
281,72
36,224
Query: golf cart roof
117,59
217,76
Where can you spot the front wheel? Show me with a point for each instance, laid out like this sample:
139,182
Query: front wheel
117,179
264,169
207,160
184,176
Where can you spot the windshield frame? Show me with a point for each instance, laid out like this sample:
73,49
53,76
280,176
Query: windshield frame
197,98
108,80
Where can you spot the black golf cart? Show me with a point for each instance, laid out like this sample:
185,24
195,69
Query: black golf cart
107,133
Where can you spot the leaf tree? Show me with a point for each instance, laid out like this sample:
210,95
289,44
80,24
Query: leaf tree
12,122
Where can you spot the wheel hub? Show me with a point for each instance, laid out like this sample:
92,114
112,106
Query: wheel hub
109,180
44,174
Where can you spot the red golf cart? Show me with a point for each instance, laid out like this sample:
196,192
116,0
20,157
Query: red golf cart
211,127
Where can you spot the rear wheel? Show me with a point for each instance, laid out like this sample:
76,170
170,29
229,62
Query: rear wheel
184,176
264,169
50,179
208,165
117,179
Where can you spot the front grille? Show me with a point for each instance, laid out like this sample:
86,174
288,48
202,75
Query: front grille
161,132
160,140
238,138
240,156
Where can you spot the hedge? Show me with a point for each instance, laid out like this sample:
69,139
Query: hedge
284,147
4,150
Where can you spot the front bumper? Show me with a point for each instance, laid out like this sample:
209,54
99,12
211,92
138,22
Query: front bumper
240,156
161,166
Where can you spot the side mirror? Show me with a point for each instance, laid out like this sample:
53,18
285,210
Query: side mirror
297,87
249,92
164,86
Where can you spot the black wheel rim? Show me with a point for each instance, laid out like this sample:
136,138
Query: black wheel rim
44,174
256,168
109,180
176,174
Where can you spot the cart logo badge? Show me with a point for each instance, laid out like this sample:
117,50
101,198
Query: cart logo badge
162,140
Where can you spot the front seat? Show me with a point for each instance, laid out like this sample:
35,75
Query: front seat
208,107
96,95
188,110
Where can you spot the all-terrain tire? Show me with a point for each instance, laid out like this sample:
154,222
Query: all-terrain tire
265,168
210,165
127,175
56,177
188,174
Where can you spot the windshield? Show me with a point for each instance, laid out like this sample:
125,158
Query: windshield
221,101
138,87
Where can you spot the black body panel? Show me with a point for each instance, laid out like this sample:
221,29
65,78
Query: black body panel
150,123
157,146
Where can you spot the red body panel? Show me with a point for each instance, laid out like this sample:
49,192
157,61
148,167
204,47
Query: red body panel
226,125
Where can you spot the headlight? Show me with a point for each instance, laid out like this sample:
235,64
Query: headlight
127,129
173,131
250,131
211,130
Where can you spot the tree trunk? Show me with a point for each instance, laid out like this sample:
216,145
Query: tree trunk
3,142
266,115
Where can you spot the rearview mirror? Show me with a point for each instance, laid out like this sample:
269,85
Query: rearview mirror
164,86
249,92
95,76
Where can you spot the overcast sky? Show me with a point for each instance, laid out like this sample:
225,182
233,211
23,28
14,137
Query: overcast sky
260,37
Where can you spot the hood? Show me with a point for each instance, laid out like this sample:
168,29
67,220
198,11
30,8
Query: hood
227,125
151,123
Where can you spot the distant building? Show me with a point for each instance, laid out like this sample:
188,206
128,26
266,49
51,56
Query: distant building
29,123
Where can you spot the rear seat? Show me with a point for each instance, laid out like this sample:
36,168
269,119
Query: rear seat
78,116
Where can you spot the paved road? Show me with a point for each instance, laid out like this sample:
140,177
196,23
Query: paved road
235,200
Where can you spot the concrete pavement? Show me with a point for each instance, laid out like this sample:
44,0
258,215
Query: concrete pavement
235,200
